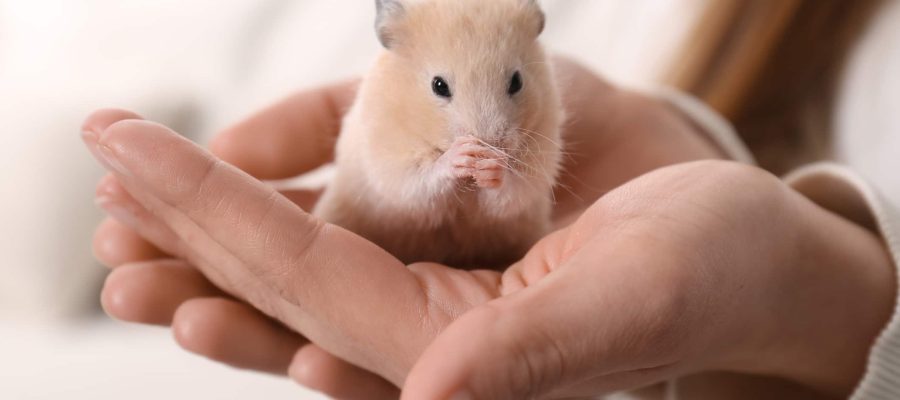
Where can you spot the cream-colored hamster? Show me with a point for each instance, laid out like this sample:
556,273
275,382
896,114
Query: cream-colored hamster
452,148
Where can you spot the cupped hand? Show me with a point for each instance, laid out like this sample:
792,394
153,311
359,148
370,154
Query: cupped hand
616,135
705,266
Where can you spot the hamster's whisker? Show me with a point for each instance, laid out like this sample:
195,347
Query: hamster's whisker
515,171
456,196
568,190
526,65
532,140
566,155
528,133
531,135
587,186
501,151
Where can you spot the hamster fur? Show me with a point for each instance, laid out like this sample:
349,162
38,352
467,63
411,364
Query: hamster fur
466,179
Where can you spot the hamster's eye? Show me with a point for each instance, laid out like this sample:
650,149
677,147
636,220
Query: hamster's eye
515,85
440,87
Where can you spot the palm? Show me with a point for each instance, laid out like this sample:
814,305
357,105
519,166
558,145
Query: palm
610,141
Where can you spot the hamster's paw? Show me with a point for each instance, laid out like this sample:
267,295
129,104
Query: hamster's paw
489,173
470,159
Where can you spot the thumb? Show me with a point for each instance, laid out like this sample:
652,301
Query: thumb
512,348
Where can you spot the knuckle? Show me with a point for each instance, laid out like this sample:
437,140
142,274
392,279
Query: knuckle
194,189
299,254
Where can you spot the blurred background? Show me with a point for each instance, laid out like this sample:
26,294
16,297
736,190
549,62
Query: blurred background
197,66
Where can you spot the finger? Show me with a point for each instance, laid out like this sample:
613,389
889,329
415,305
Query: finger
118,203
124,238
292,137
116,244
294,257
100,119
144,302
122,204
539,262
234,333
572,330
509,357
149,292
317,369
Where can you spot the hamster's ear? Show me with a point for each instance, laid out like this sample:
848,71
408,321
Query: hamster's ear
537,14
389,13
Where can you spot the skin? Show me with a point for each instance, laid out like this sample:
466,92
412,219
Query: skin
744,275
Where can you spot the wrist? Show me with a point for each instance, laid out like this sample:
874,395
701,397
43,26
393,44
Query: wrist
837,293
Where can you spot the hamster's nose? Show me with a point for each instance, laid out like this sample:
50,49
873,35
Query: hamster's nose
492,136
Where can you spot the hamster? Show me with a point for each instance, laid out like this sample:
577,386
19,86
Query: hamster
452,148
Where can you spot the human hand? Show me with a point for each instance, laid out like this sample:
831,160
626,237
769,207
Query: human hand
618,135
707,266
700,219
152,286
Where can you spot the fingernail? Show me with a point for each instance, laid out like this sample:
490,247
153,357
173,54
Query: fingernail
110,157
117,211
89,136
462,395
90,140
103,153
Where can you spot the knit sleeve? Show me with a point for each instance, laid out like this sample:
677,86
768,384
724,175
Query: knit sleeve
842,191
